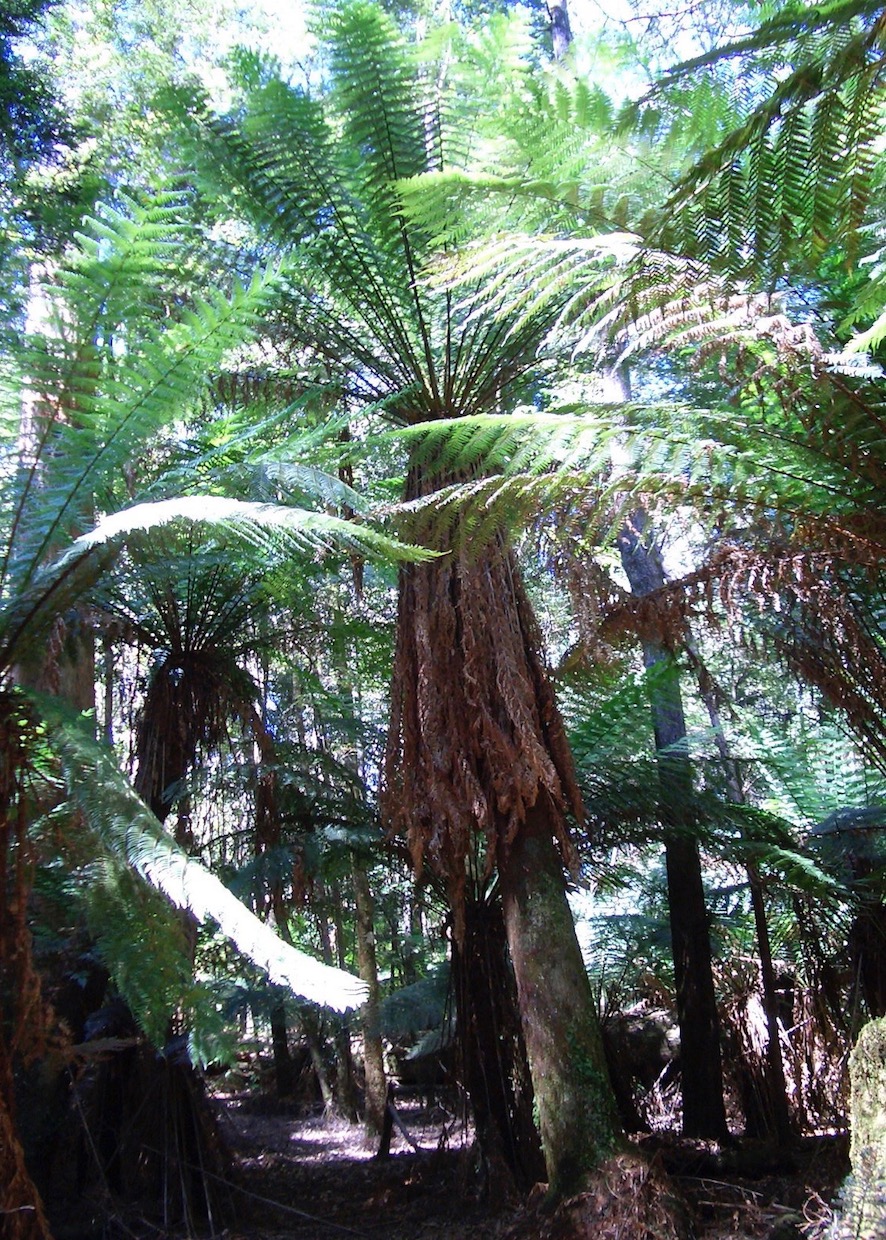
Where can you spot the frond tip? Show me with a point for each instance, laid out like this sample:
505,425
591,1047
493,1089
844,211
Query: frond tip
125,826
190,886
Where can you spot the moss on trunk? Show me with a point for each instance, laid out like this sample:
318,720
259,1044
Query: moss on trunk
575,1105
866,1193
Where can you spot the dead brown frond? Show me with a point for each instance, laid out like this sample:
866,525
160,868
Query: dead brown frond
475,737
627,1198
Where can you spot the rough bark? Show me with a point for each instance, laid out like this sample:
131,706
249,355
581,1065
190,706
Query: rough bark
561,31
704,1113
492,1049
866,1192
574,1102
66,669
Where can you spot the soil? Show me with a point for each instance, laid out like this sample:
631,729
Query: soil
307,1178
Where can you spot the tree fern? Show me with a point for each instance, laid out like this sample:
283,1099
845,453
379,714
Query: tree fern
91,410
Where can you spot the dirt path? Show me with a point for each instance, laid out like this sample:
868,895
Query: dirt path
303,1179
324,1181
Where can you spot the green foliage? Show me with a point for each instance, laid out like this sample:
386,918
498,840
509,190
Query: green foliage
129,832
415,1009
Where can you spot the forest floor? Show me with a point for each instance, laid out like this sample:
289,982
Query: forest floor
310,1179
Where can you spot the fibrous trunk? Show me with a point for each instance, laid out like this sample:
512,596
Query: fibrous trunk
475,736
24,1020
478,775
493,1060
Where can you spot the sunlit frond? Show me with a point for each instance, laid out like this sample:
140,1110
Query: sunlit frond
123,825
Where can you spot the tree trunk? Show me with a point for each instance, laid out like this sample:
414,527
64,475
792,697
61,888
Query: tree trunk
478,775
492,1049
561,31
704,1113
373,1052
777,1114
65,669
577,1115
865,1193
343,1098
311,1029
284,1069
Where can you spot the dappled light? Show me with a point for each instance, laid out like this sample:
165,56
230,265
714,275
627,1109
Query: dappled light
442,620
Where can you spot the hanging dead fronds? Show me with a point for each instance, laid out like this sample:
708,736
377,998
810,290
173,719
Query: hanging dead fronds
801,602
475,736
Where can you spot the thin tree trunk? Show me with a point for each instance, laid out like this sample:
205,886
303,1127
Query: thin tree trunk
865,1192
574,1102
344,1098
704,1112
284,1074
561,31
373,1051
311,1030
780,1117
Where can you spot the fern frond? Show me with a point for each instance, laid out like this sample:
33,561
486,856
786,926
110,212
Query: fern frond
794,178
26,618
791,26
123,825
95,406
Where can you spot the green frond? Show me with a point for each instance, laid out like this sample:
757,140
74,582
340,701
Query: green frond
275,528
791,26
293,478
131,924
413,1009
291,175
793,179
99,390
298,528
124,827
380,97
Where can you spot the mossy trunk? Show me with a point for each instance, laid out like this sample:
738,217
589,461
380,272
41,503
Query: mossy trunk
866,1191
373,1051
574,1102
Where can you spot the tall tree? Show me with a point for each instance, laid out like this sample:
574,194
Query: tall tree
476,749
704,1112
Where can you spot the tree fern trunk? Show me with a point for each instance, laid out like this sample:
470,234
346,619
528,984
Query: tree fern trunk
574,1102
704,1113
478,775
492,1048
